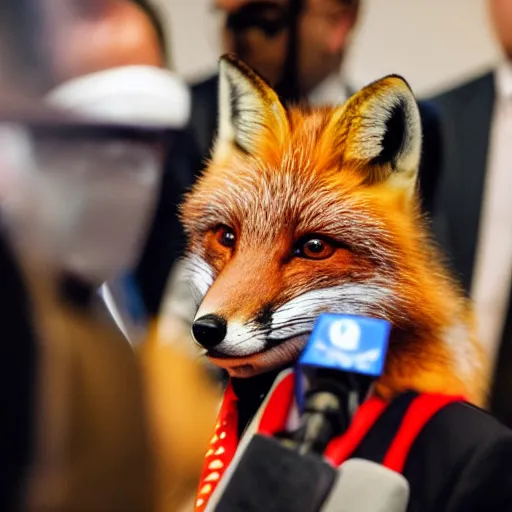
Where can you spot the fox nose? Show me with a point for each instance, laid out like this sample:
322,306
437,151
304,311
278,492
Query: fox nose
209,330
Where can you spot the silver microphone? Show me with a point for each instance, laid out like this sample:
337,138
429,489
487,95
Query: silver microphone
364,486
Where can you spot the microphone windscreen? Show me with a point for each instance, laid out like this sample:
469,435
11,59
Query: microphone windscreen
273,478
365,486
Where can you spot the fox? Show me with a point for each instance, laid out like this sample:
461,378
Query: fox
301,211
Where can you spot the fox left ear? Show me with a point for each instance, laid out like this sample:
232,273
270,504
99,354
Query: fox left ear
250,113
379,130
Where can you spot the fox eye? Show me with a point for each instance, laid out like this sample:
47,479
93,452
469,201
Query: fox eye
225,236
314,248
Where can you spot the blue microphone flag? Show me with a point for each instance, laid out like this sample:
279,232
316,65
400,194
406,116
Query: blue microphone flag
347,343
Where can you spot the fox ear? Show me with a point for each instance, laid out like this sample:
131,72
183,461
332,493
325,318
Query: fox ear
250,112
379,130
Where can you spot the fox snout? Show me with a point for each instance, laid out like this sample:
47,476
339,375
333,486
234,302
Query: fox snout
249,340
245,350
209,330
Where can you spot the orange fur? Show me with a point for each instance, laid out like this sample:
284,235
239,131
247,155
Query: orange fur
309,173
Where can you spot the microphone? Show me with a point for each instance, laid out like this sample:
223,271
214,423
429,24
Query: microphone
343,357
143,97
285,470
272,478
365,486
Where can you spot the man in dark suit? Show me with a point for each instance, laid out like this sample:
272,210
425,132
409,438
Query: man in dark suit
473,217
296,45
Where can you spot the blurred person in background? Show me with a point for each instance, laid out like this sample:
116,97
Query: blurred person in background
111,61
56,443
296,45
100,35
124,76
473,211
100,420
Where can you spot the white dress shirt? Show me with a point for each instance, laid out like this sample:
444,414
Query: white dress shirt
493,270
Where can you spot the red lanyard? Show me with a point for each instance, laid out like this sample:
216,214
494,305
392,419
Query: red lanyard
221,450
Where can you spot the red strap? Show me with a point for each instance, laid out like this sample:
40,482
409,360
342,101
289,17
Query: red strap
279,405
221,450
419,413
340,449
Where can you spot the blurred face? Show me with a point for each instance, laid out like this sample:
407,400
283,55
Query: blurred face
120,34
323,30
501,15
264,50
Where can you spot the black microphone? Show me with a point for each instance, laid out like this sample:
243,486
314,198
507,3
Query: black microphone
328,408
344,356
270,477
287,473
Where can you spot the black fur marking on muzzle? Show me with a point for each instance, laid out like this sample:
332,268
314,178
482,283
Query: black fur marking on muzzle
264,317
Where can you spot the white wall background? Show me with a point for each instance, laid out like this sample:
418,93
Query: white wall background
432,43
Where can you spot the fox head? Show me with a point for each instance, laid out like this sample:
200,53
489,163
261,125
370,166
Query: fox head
305,211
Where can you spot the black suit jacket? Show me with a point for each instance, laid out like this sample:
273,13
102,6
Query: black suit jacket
203,117
465,115
460,462
18,378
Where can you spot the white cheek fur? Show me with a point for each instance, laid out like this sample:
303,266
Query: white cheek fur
199,275
297,316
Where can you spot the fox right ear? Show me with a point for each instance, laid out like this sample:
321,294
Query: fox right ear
379,130
250,112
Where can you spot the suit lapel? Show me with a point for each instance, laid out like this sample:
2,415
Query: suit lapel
500,403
